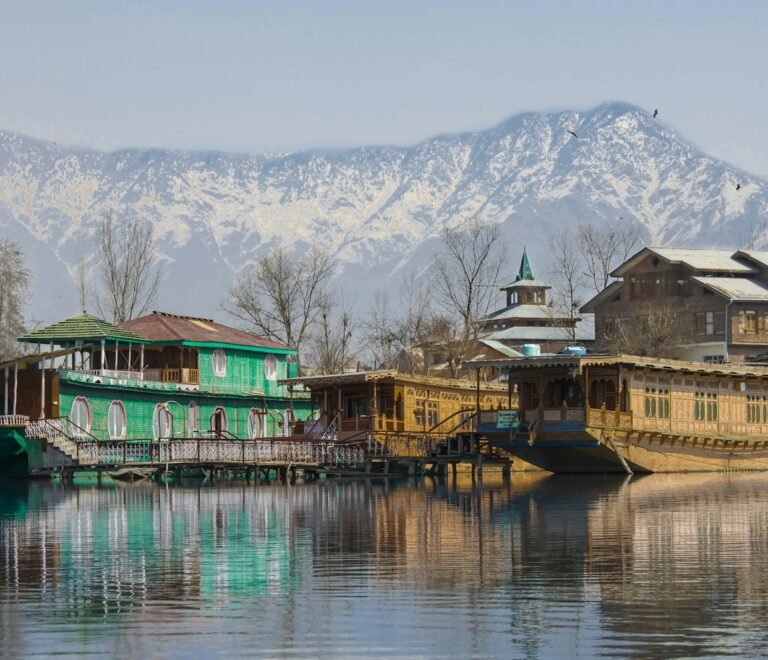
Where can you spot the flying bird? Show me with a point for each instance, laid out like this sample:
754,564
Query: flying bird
571,132
655,112
738,186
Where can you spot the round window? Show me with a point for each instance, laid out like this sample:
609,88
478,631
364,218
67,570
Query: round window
116,420
270,367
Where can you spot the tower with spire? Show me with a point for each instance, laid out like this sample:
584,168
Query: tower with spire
529,318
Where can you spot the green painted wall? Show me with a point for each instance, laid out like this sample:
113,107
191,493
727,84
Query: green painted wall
140,405
244,373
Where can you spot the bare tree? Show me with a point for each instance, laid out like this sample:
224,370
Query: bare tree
602,250
446,344
657,330
568,280
282,295
392,336
467,273
331,344
15,282
128,267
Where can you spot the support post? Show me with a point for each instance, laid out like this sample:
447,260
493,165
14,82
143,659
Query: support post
141,361
5,405
116,354
509,389
103,355
15,385
42,389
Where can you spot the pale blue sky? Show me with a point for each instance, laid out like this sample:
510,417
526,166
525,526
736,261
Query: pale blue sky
283,75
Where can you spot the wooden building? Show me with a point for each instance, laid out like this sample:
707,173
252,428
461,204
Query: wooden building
626,413
719,297
380,402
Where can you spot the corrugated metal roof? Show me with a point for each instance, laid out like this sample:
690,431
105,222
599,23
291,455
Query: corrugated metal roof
501,348
159,326
736,288
758,256
84,327
526,284
708,261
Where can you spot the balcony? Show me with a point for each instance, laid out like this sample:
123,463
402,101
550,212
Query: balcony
170,376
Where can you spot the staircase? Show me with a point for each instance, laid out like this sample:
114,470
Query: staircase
60,433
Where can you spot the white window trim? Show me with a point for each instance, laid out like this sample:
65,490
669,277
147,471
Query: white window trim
270,374
81,400
160,408
117,405
219,370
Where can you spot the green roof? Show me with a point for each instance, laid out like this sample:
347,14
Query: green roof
84,327
525,272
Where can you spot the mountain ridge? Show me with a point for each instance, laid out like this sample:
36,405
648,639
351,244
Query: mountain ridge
377,209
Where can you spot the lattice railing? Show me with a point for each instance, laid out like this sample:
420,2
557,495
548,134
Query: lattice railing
14,420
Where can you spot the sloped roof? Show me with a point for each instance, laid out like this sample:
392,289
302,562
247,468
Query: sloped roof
524,334
736,288
521,312
757,256
707,261
606,294
500,348
162,327
84,327
526,284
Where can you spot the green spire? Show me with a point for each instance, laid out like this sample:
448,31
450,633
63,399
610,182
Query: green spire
525,272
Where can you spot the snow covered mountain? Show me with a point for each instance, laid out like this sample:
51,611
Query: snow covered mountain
377,209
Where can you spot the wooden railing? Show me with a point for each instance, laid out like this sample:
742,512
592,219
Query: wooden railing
14,420
558,415
609,419
185,376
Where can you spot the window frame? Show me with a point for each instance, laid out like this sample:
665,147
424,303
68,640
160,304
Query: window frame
78,401
117,405
219,362
270,367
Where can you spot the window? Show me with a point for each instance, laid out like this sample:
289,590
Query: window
116,420
219,362
192,419
80,413
162,422
748,322
356,407
754,409
433,416
270,367
255,423
705,406
710,323
219,421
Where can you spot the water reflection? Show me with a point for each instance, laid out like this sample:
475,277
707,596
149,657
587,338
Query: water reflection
532,566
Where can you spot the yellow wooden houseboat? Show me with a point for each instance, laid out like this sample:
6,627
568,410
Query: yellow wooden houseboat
634,414
416,412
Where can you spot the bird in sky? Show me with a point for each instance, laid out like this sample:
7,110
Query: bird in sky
655,112
738,186
571,132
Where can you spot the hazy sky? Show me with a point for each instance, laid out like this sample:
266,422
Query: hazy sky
282,75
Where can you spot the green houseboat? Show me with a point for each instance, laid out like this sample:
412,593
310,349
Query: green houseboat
161,377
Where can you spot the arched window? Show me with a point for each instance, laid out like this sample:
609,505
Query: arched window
80,413
219,421
192,419
219,362
116,420
270,367
162,422
255,424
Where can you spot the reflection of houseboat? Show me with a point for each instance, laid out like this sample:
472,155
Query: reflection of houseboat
160,376
622,413
385,404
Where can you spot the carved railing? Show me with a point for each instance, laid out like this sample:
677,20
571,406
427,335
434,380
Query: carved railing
14,420
609,419
61,433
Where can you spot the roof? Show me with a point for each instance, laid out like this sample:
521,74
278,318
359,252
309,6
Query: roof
658,364
500,348
604,296
391,375
522,311
705,261
757,256
163,327
526,284
736,288
525,272
84,327
524,334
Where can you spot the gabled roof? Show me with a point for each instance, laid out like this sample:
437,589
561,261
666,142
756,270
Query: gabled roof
173,328
608,293
705,261
523,334
737,289
755,256
82,328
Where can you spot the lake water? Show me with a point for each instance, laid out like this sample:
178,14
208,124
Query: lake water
533,566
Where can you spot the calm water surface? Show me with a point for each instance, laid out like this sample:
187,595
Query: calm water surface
536,566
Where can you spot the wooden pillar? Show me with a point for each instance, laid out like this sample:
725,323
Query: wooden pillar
42,388
325,407
116,354
478,394
509,388
141,361
103,355
374,406
15,385
5,406
129,356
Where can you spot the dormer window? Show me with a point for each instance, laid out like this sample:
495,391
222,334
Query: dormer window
219,362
